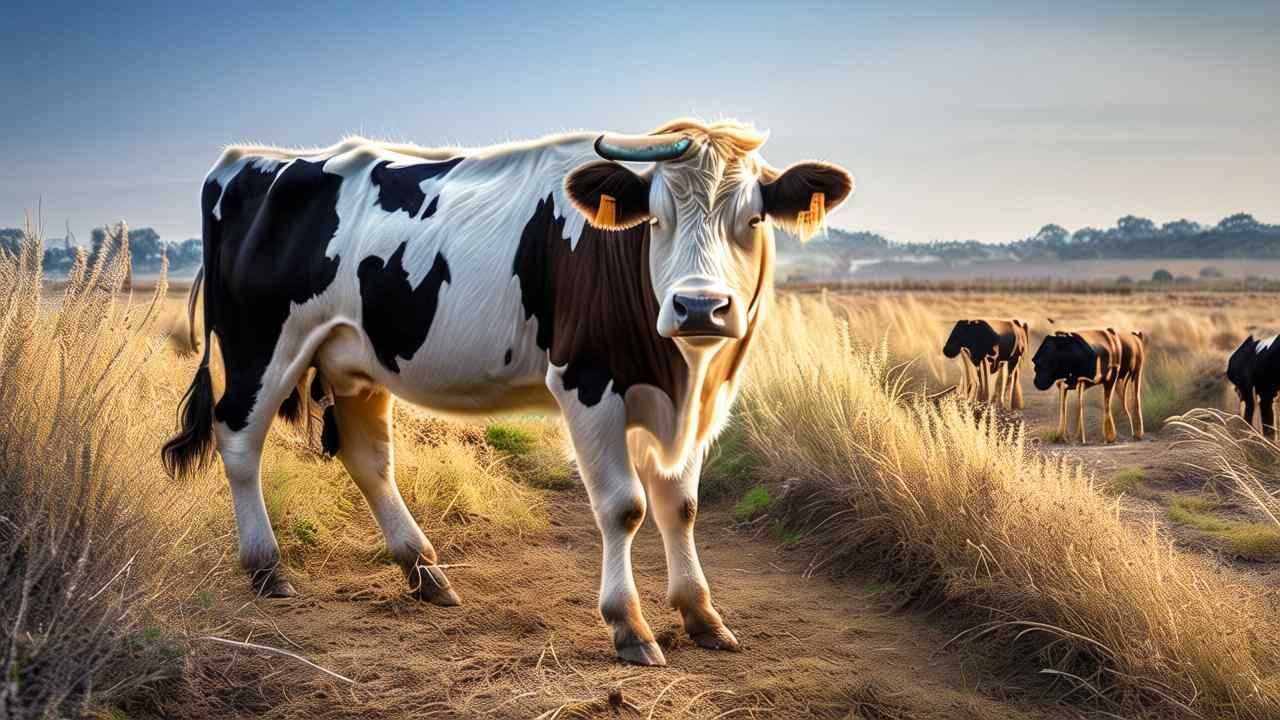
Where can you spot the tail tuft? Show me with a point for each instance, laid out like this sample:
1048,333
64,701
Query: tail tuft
329,440
192,448
291,410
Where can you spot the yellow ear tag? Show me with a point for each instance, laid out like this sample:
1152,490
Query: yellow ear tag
808,221
607,213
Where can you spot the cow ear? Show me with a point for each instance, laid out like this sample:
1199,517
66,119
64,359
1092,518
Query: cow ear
611,196
800,198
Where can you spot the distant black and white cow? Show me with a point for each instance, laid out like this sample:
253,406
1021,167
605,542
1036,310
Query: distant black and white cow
1083,359
1254,370
533,275
987,348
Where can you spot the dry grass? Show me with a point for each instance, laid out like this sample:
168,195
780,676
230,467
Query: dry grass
964,511
96,546
86,536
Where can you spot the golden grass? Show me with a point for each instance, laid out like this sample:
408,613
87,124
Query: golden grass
963,510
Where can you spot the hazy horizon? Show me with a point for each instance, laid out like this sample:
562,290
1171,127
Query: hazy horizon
979,124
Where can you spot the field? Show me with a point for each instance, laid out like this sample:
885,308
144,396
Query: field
880,554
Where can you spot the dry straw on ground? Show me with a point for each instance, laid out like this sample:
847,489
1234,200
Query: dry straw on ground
962,511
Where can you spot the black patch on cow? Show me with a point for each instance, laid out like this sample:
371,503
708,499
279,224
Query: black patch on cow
400,188
431,207
595,305
506,359
317,387
329,441
534,265
589,378
397,316
268,253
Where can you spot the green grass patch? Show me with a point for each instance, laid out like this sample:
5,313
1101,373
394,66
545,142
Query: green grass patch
509,438
534,451
1196,513
1128,481
1255,541
1049,435
784,535
731,465
753,504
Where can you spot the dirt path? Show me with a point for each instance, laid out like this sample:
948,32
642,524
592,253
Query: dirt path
528,643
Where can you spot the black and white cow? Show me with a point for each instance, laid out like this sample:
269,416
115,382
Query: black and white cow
1254,370
533,275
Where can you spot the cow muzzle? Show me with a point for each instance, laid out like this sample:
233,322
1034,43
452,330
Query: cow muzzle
701,312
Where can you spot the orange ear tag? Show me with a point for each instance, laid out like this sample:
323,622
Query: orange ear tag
607,213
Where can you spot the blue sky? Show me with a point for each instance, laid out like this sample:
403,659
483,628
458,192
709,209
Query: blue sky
977,123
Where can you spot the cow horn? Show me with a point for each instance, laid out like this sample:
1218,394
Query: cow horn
642,148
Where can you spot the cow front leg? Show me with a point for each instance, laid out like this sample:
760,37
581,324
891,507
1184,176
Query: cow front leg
365,446
1247,411
966,373
597,428
675,507
1062,411
1080,411
1002,371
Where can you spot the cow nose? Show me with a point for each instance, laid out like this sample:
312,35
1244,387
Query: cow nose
704,313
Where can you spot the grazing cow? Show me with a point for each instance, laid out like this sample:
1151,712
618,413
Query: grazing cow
1086,358
1254,370
989,347
532,275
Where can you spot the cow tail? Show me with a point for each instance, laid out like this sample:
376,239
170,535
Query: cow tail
191,448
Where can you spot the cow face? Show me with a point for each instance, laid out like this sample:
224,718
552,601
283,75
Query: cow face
708,200
1240,367
976,336
1061,357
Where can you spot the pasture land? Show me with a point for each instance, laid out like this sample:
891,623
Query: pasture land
879,555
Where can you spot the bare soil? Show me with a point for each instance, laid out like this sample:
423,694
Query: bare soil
528,642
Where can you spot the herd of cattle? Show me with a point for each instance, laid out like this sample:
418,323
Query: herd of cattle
991,351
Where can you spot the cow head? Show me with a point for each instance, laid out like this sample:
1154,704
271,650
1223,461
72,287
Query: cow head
976,336
709,199
1063,356
1240,367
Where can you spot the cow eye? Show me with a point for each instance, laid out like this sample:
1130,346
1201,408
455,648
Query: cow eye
755,221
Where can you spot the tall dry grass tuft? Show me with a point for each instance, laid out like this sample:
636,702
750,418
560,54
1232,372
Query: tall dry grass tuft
1234,457
82,536
962,510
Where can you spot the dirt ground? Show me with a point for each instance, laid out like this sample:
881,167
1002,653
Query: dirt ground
528,643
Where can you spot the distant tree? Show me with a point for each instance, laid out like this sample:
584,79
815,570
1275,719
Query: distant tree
1209,272
1124,280
1086,235
1052,235
1132,226
1240,222
1180,228
11,240
188,254
1162,276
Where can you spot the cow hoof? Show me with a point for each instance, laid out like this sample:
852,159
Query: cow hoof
271,583
716,638
429,584
644,652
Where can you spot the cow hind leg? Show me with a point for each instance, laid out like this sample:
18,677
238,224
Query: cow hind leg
1267,408
1015,392
675,507
1062,412
1109,433
599,434
364,424
1140,428
241,449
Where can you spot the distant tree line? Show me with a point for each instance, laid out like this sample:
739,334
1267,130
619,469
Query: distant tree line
1235,236
146,250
